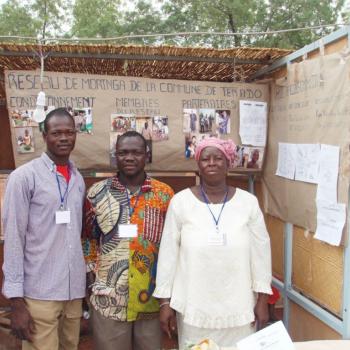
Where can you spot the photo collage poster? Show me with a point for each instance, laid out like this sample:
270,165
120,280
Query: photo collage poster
152,128
23,123
199,124
104,106
25,127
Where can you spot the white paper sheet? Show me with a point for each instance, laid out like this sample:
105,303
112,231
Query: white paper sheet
253,122
328,174
286,160
330,221
307,162
274,337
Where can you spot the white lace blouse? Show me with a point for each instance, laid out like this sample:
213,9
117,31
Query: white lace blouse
213,286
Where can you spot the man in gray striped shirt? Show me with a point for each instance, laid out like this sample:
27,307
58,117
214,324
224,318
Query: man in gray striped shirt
44,267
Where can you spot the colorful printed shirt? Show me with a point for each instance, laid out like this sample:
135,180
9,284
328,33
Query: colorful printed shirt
125,268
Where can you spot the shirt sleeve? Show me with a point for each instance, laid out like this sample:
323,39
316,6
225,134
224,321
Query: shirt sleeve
16,212
260,252
90,236
168,254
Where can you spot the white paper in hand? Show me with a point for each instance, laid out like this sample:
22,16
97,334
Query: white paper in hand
274,337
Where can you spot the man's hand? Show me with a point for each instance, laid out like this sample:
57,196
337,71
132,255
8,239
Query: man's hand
90,280
261,311
22,323
167,317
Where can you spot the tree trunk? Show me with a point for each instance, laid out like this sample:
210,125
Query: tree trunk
233,28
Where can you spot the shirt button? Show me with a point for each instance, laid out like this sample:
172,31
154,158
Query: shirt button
70,246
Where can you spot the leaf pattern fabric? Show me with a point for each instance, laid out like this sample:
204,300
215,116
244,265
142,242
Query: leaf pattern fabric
125,268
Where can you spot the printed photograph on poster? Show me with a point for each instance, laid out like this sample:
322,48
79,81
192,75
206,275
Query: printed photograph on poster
83,120
191,142
190,145
249,157
24,140
122,122
22,118
206,120
239,156
256,155
223,121
113,137
190,120
160,130
144,126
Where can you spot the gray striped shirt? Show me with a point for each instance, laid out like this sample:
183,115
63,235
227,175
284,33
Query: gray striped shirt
43,260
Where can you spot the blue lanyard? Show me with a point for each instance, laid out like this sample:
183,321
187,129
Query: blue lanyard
65,192
132,209
216,220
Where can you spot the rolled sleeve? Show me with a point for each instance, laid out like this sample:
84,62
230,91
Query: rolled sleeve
15,220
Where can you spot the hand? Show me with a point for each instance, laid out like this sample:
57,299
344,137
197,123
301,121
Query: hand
90,279
22,323
261,311
167,317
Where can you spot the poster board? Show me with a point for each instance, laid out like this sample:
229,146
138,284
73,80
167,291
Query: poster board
309,105
111,97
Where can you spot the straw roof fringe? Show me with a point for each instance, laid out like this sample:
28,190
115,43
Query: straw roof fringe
160,62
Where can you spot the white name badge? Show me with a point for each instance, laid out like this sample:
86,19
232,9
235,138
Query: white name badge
127,230
62,217
216,238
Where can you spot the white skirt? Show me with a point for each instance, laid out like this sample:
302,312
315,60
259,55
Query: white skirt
222,337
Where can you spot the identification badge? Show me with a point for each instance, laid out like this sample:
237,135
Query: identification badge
216,238
127,230
62,217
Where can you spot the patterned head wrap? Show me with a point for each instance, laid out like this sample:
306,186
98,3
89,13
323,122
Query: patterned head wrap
227,147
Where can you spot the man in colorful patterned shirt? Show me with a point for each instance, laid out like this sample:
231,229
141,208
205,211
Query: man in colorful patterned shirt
123,227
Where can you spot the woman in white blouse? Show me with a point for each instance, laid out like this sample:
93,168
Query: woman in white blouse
214,265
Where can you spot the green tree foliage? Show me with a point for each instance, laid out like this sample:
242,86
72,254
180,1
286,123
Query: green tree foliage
144,18
97,18
227,16
39,18
111,18
287,14
252,15
15,19
51,16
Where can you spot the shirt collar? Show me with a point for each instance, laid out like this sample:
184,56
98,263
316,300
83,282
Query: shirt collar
145,187
52,166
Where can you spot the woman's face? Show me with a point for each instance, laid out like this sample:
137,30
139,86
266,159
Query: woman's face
212,164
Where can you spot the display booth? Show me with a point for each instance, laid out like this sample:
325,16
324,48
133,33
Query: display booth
288,114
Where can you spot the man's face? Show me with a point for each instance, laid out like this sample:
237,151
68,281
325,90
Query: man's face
131,156
60,136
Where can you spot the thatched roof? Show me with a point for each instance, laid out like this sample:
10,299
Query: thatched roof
164,62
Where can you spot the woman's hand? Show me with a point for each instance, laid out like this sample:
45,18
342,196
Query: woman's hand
261,311
167,317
